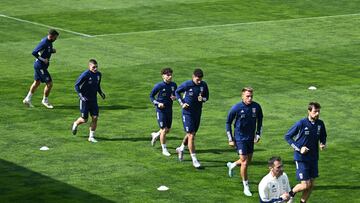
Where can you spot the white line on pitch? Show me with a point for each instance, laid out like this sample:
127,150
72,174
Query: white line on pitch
225,25
43,25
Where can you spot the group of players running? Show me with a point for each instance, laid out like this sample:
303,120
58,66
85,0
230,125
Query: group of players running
246,117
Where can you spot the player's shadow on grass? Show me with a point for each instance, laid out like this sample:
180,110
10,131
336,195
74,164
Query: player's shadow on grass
337,187
219,151
214,151
213,163
131,139
19,184
110,107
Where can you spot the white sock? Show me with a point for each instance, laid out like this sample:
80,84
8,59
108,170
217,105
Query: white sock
163,146
193,156
182,147
246,183
233,165
92,134
28,96
74,126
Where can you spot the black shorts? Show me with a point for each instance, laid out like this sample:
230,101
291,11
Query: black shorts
89,107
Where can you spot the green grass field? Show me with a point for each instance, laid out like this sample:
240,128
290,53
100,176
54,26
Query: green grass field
280,48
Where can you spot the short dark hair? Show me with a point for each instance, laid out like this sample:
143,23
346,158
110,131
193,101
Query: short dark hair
247,89
166,70
313,105
272,160
93,61
198,73
53,32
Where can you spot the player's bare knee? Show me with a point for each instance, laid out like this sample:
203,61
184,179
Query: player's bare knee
306,184
83,119
191,136
244,162
49,85
36,83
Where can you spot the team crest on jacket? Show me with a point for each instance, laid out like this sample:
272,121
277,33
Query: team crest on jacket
253,112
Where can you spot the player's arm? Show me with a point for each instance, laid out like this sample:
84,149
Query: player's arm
259,125
178,92
154,92
205,96
323,136
78,84
229,121
102,94
173,97
40,47
293,131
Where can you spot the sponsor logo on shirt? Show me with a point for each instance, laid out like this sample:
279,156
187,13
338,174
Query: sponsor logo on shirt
191,93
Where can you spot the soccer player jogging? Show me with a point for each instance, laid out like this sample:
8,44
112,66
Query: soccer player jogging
195,93
248,118
275,187
87,86
305,137
42,53
165,92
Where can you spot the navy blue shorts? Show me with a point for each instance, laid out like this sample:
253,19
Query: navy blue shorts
88,107
244,147
164,119
191,122
42,74
306,170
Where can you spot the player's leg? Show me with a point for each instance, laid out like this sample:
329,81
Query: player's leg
83,118
306,193
181,148
191,145
33,87
303,175
245,160
313,173
92,128
194,126
156,135
166,126
37,80
240,149
47,89
163,133
94,112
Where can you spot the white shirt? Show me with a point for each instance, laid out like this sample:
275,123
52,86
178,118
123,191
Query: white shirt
272,188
